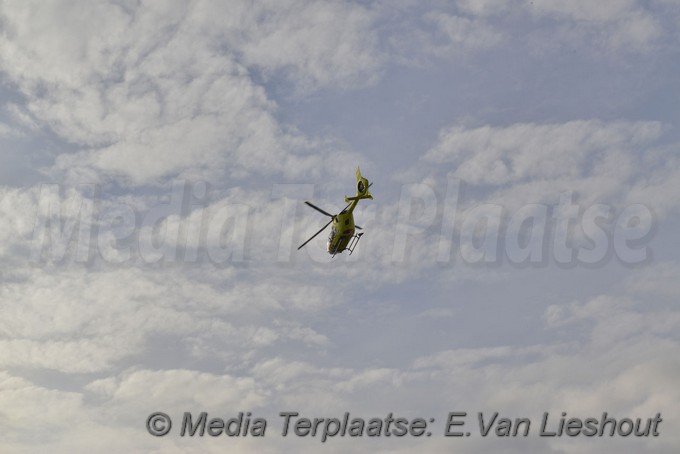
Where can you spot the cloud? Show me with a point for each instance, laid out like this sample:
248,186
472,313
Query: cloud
145,93
493,185
484,8
316,43
601,30
583,10
74,322
143,98
18,210
622,25
461,33
149,93
657,281
138,390
608,162
438,34
521,152
5,131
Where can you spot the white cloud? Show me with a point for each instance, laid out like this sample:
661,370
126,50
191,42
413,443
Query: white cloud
607,162
441,34
658,280
6,131
606,354
151,92
484,7
17,210
138,390
75,322
521,152
25,406
620,25
318,43
658,188
584,10
462,33
140,94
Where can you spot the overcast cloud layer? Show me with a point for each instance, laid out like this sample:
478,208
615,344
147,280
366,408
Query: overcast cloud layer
191,132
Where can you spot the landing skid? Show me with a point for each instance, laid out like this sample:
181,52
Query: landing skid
353,242
350,247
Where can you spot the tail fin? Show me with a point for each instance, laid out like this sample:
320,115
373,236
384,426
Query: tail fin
362,187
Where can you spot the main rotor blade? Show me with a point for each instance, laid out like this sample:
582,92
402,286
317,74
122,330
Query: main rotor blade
357,227
343,210
319,209
314,236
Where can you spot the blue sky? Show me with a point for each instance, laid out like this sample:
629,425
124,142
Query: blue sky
195,130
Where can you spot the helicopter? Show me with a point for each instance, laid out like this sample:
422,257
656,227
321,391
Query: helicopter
342,236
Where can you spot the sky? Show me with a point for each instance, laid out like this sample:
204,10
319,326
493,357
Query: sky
520,255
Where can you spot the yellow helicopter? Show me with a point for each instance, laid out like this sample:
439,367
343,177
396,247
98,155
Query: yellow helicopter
342,236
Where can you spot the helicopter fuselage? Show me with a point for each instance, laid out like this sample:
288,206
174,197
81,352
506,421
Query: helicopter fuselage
342,231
